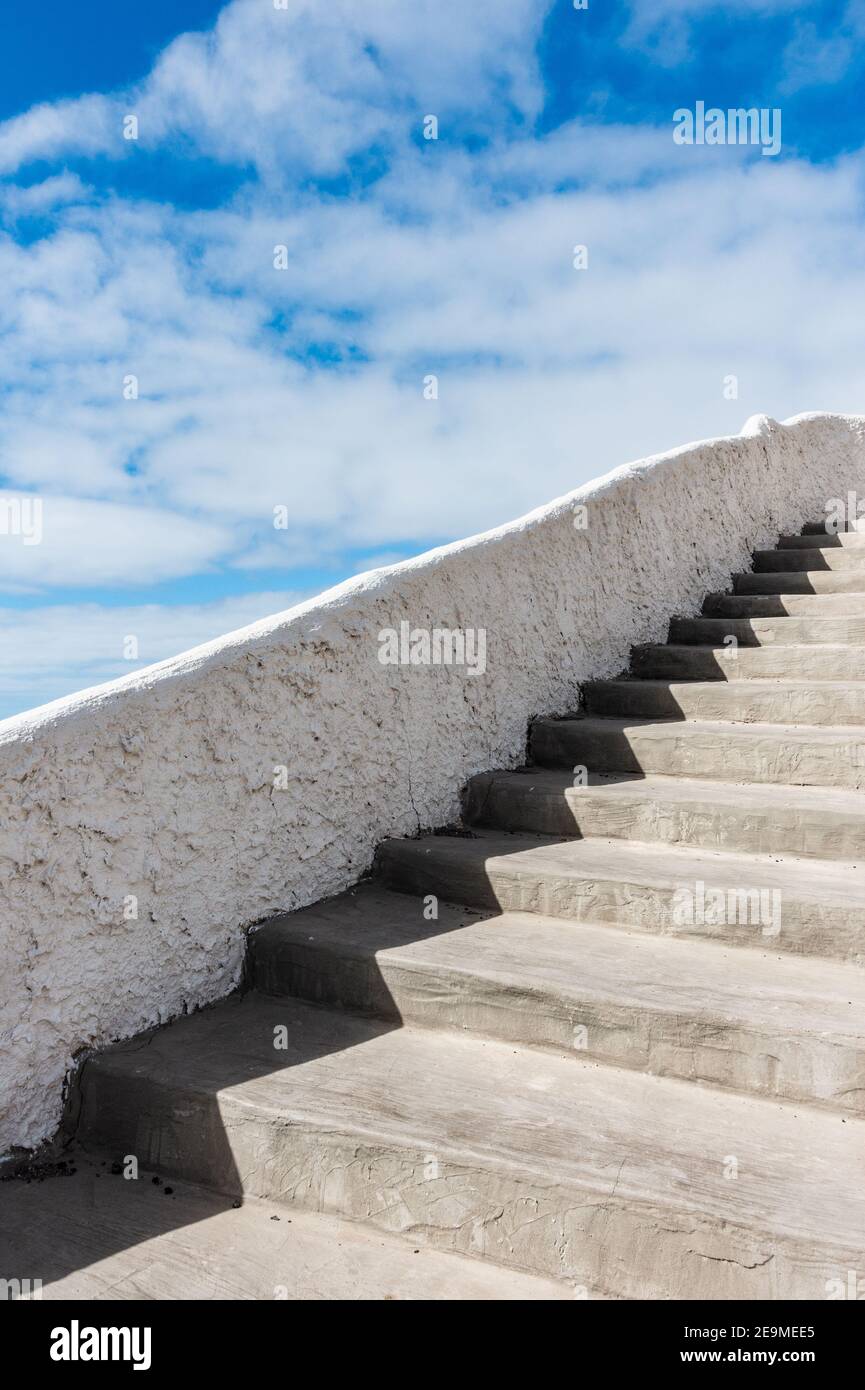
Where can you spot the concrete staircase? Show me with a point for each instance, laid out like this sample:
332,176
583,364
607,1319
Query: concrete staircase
612,1031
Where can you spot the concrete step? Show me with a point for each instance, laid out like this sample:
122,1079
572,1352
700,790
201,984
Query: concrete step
829,557
809,906
799,582
636,1185
817,540
93,1235
784,605
793,754
809,822
672,661
818,527
748,1020
824,703
760,632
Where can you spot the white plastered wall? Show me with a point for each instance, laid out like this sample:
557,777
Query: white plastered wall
161,785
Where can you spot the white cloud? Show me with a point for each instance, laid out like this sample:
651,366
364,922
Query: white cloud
81,542
50,651
703,263
87,125
40,198
307,86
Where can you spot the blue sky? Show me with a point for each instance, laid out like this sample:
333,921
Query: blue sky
301,388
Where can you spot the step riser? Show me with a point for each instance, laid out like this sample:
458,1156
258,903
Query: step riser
720,701
813,582
736,758
784,606
833,558
453,1201
656,662
807,926
583,812
761,632
711,1050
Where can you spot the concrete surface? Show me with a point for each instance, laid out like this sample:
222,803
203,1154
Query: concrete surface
809,558
760,632
821,904
819,540
156,794
559,1166
517,1048
750,1020
731,752
96,1236
826,661
761,818
848,581
784,605
744,702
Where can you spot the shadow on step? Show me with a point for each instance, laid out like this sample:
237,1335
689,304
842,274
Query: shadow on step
547,801
757,606
73,1217
199,1107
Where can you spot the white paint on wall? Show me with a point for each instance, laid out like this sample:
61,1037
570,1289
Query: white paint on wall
143,827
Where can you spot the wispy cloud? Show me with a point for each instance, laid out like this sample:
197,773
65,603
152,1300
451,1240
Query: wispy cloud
51,651
815,59
664,28
164,387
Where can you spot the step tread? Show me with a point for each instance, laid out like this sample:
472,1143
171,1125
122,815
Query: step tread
788,575
683,790
613,1136
768,661
845,626
829,548
786,605
746,686
584,963
784,573
95,1236
802,581
689,647
811,540
812,557
787,621
714,729
833,881
741,699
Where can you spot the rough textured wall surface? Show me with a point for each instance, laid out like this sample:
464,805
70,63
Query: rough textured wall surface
161,785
